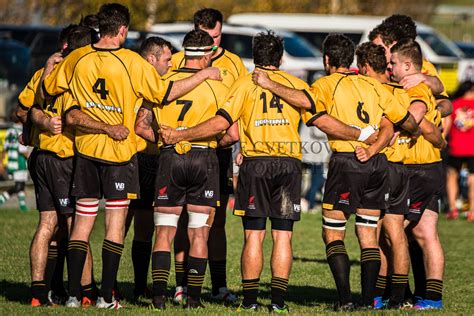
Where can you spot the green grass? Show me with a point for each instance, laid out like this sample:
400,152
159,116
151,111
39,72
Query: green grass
311,289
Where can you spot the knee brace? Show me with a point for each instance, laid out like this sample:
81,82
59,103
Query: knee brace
336,224
367,220
88,207
116,204
197,220
164,219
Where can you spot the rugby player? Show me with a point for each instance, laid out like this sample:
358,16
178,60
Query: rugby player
231,67
187,172
105,140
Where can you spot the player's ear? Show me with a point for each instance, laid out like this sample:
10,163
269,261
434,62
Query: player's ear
151,58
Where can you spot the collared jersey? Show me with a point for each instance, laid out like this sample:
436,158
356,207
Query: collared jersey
193,108
107,84
27,99
268,126
358,101
423,152
397,152
428,68
230,65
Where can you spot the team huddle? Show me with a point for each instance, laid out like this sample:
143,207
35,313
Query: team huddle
153,135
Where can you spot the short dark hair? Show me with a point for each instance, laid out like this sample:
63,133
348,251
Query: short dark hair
153,45
207,18
92,21
410,49
78,37
64,34
339,49
373,55
394,28
197,38
267,49
111,17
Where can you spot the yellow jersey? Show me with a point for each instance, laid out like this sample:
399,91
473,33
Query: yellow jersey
193,108
107,83
26,100
428,68
358,101
229,64
422,151
268,126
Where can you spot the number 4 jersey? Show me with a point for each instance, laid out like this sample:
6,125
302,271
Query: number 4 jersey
106,83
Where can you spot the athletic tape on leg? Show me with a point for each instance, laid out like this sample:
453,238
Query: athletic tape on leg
336,224
164,219
88,207
197,220
367,220
116,204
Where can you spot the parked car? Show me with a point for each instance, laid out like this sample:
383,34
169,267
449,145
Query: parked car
466,65
300,58
314,27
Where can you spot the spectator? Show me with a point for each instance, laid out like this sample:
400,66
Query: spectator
459,127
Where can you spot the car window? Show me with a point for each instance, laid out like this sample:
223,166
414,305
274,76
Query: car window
317,38
437,44
238,44
299,47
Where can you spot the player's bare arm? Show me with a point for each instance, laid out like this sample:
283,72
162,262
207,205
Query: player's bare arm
337,129
183,86
54,59
445,107
44,122
86,124
383,139
432,134
293,96
413,80
22,114
411,126
143,125
418,110
211,127
230,137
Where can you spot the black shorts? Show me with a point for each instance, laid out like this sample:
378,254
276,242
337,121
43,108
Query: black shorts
398,179
192,178
351,184
53,182
147,169
32,165
457,163
260,223
226,185
426,186
269,187
97,179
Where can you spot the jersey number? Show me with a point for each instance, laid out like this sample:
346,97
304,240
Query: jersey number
99,87
361,114
274,103
187,105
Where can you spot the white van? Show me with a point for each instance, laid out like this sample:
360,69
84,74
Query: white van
315,27
300,58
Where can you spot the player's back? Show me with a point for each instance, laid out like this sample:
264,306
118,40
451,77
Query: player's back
197,106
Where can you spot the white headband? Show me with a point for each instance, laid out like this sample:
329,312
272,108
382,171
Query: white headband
199,51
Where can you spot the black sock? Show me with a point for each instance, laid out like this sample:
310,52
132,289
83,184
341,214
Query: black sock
380,285
57,284
338,261
160,271
218,275
88,291
418,267
50,265
111,253
399,284
77,252
369,270
250,291
279,290
388,288
141,252
196,273
39,291
434,289
180,272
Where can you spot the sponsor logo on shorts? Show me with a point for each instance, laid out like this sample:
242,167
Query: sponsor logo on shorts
251,202
64,202
415,208
163,193
119,186
297,208
208,194
193,271
344,198
387,196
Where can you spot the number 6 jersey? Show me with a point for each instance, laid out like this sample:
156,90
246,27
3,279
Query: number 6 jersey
107,83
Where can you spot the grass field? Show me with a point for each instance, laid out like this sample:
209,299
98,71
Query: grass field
311,289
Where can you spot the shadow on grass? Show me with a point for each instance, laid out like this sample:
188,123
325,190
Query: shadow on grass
15,291
322,261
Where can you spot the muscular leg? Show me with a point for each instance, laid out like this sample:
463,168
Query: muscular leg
381,284
251,264
281,262
181,250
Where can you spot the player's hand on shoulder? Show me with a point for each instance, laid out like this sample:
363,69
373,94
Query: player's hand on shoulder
55,125
117,132
412,80
261,78
212,73
54,59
